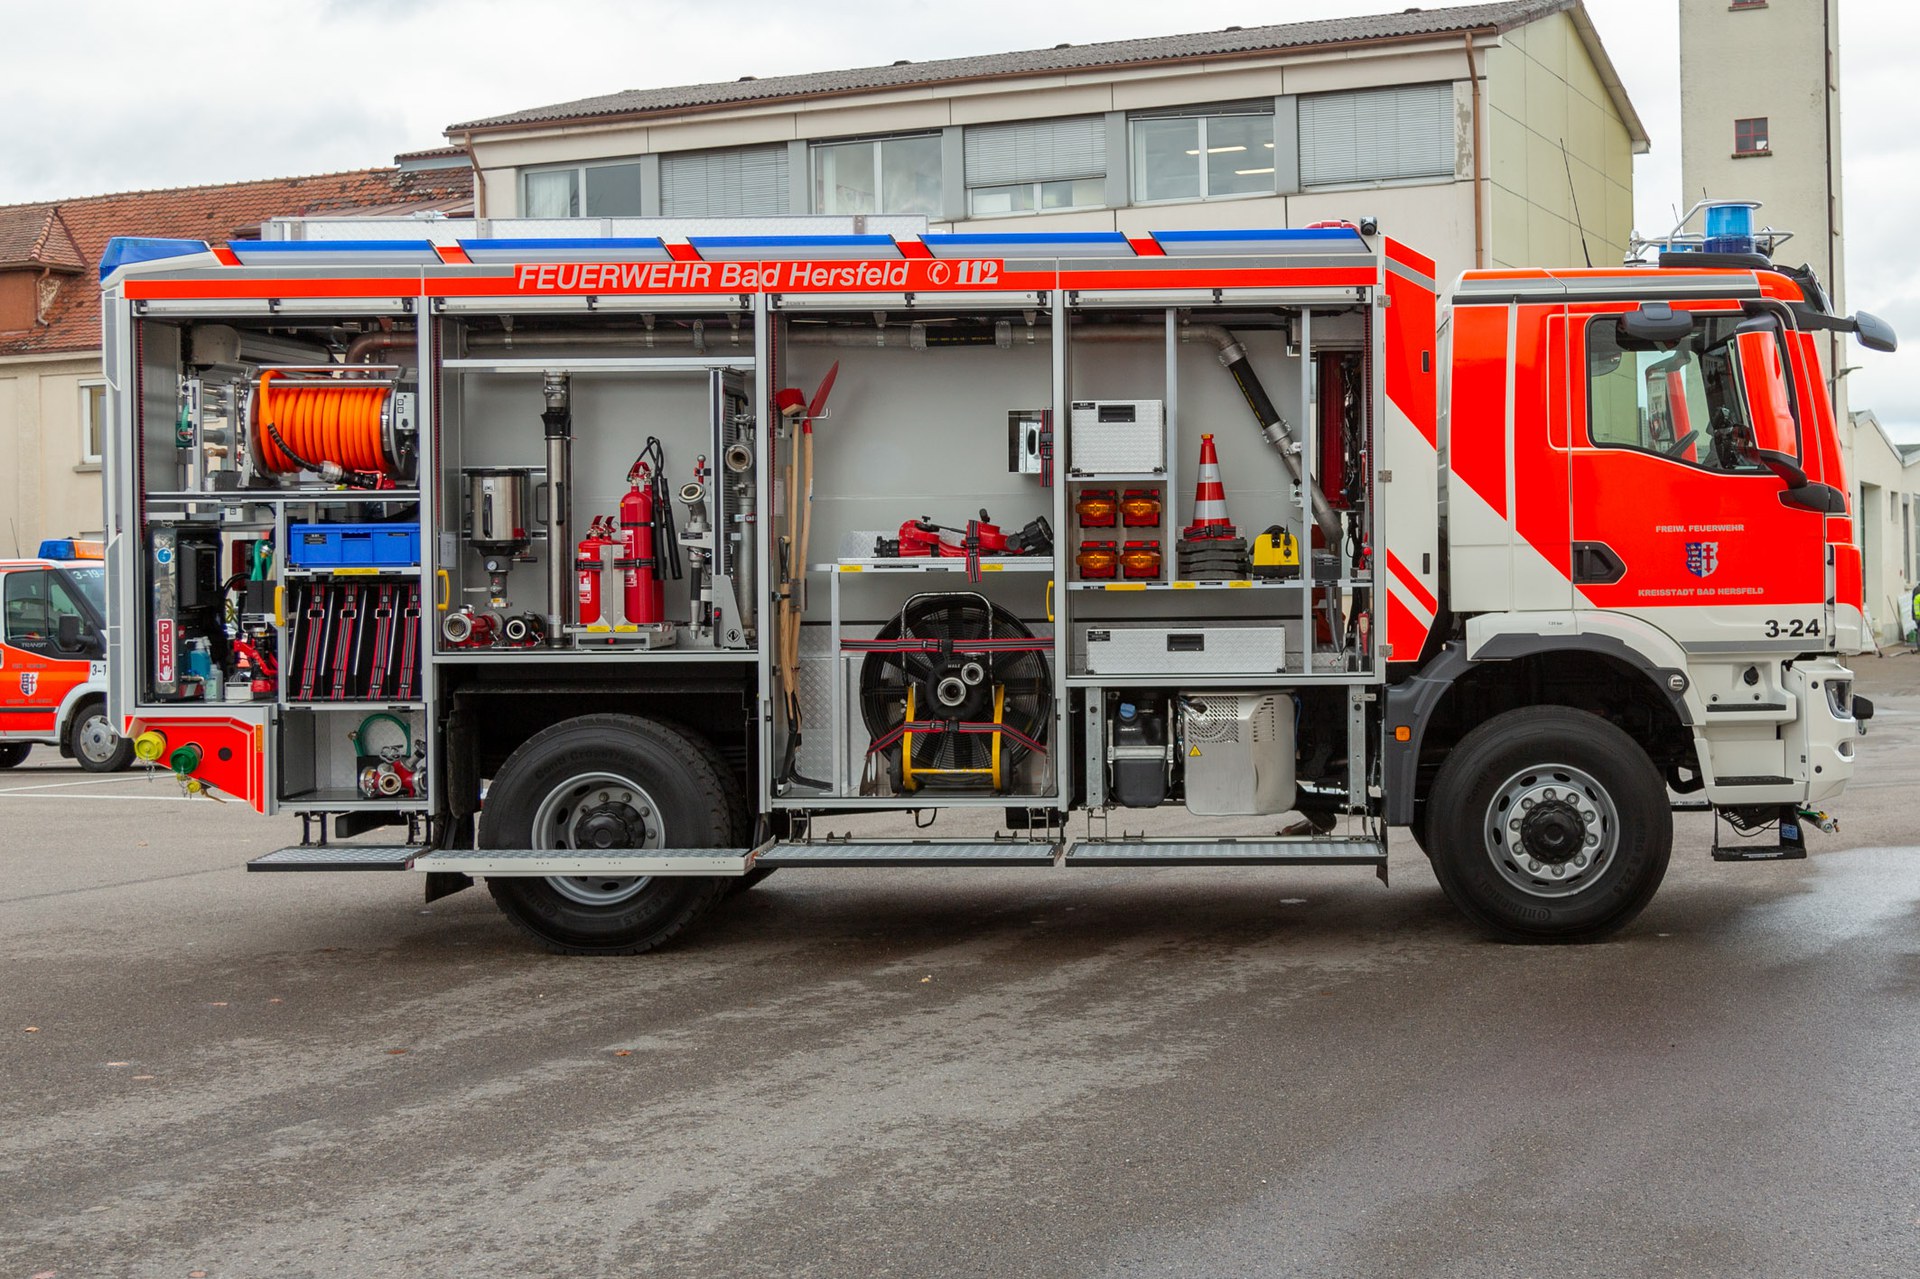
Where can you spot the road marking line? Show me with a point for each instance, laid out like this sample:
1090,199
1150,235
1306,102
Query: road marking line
136,799
88,781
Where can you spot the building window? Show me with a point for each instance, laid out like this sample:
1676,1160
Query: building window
749,182
1202,156
611,191
93,421
1750,136
550,193
882,175
1377,135
1036,166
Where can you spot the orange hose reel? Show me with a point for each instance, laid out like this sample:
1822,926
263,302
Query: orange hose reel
303,427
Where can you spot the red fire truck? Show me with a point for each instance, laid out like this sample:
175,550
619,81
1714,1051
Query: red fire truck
620,572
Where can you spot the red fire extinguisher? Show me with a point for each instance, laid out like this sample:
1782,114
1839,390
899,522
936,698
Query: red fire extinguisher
645,593
588,567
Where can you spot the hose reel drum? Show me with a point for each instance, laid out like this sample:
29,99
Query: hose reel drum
308,419
955,693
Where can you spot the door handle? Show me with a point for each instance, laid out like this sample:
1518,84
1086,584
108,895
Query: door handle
1595,564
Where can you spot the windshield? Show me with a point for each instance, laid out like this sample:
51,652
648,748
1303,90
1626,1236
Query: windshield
93,584
1683,402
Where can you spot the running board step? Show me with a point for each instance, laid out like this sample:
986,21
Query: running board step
913,852
339,857
1228,852
587,861
735,861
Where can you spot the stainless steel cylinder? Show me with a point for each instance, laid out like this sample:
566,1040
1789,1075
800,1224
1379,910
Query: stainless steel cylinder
497,500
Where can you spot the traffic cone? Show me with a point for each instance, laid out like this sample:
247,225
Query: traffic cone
1211,548
1210,498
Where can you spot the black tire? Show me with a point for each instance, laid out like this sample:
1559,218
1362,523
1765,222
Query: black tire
93,741
1421,839
1554,777
688,791
14,754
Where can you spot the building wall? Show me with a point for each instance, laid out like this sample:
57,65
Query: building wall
1887,503
1541,88
1779,60
1543,93
48,489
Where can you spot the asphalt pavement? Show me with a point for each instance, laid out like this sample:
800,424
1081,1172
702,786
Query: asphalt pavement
953,1072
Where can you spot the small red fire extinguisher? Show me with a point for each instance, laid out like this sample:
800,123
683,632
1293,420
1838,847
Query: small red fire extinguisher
588,568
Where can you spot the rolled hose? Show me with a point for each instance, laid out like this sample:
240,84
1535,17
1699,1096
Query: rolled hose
305,427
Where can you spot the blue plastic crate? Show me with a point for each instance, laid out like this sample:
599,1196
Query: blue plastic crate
353,545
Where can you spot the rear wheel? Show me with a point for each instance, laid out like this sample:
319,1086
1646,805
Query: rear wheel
13,754
96,744
603,782
1422,840
1549,825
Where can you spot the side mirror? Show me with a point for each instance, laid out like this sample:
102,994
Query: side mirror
1776,441
1656,323
66,633
1875,333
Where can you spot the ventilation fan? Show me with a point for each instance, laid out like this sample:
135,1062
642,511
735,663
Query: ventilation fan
955,693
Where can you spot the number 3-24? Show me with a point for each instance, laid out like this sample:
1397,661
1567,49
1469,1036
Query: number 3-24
1796,628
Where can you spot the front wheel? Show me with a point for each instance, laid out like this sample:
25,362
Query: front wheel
605,782
1549,825
96,744
13,754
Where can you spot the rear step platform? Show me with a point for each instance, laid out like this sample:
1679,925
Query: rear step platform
586,861
339,857
913,852
1228,852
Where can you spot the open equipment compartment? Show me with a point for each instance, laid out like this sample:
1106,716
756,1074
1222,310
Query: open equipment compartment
1234,680
599,490
922,663
1234,595
272,492
344,759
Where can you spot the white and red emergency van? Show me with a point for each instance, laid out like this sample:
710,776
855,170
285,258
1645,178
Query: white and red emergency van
53,658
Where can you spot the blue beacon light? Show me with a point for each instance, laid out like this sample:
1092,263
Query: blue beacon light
1730,227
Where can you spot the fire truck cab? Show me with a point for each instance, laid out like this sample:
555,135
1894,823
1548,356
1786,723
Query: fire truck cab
53,648
620,565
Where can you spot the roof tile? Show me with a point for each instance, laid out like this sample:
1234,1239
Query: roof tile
1207,44
72,233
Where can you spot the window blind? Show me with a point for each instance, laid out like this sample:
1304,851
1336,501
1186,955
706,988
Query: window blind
1377,134
751,181
1036,151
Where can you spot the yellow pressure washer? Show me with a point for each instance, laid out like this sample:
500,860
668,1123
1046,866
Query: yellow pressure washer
1276,555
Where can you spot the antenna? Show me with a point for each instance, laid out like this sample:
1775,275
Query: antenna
1575,197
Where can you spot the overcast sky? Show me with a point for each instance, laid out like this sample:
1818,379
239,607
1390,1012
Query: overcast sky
116,95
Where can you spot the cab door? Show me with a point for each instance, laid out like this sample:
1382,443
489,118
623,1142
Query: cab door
1677,514
35,673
